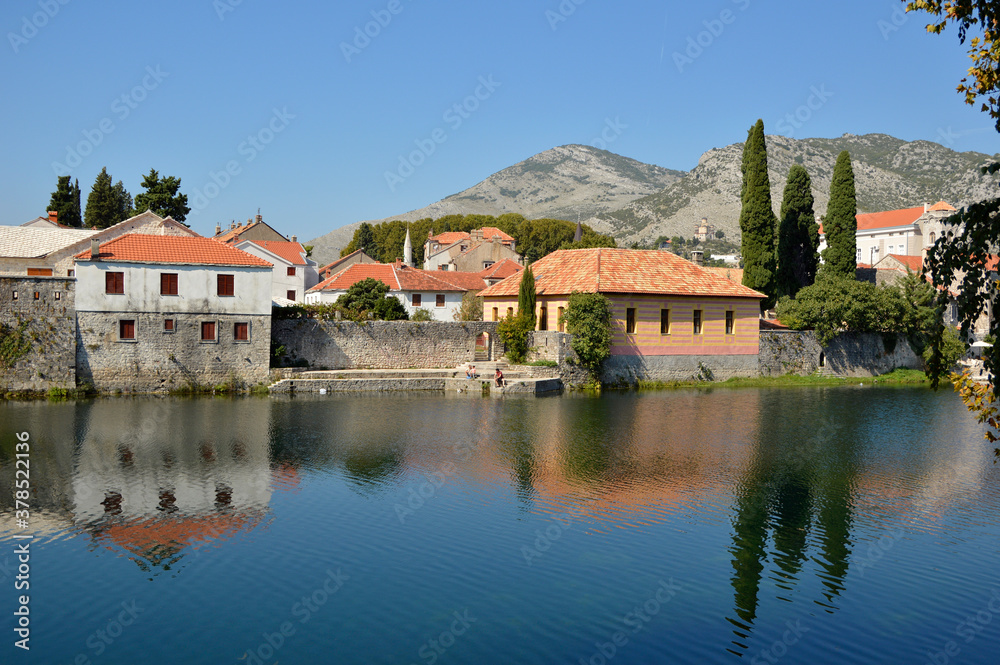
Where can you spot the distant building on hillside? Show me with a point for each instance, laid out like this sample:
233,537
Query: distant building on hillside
703,230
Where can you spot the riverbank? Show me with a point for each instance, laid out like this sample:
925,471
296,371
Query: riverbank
911,377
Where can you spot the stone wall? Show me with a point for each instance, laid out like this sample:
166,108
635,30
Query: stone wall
550,345
848,354
628,370
49,325
382,344
161,361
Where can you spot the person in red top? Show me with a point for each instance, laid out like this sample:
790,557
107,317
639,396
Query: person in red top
498,377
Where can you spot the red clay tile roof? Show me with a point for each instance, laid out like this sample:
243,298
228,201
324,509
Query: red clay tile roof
772,324
941,206
490,231
501,269
289,251
347,277
889,218
449,237
914,263
732,274
141,248
466,281
607,270
396,278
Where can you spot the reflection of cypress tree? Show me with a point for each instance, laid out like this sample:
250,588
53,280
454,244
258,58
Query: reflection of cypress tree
835,524
372,465
792,517
749,548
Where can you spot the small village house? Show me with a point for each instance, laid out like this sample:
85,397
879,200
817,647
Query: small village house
159,312
671,317
294,273
905,232
469,252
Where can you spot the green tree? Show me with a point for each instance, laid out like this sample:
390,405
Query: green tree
513,332
840,224
162,197
588,319
107,204
526,296
471,308
66,201
364,238
798,236
370,296
421,314
757,221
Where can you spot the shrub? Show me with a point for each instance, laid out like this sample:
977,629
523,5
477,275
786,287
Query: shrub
513,332
588,319
422,314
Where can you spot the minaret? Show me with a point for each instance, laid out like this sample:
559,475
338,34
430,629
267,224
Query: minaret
408,249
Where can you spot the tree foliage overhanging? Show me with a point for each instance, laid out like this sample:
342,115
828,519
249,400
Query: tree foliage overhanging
798,235
757,220
588,318
370,296
533,238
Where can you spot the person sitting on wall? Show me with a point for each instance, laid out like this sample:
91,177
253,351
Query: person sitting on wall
498,377
472,372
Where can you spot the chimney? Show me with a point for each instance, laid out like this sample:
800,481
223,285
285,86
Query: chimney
295,238
95,250
259,219
54,216
218,229
696,256
926,206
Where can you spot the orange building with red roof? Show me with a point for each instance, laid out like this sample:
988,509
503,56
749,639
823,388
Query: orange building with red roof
157,312
669,314
474,251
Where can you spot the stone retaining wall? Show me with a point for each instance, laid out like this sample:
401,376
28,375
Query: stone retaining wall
48,323
628,370
381,344
848,354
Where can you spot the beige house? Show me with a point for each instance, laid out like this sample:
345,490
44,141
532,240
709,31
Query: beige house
469,252
252,230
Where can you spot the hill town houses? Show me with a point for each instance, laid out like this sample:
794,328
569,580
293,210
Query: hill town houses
150,305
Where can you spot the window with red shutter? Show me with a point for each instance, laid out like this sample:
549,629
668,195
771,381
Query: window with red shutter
226,285
291,271
126,329
114,283
241,332
208,331
168,284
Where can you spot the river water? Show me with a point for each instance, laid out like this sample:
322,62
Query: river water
797,525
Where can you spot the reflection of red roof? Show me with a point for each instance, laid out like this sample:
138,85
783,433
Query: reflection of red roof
176,250
501,269
610,270
293,252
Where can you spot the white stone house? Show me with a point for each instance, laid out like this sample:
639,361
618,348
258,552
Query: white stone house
294,272
159,312
905,232
416,289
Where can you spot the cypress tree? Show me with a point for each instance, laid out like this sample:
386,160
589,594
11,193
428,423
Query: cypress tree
840,224
102,205
366,239
757,220
66,201
798,235
526,296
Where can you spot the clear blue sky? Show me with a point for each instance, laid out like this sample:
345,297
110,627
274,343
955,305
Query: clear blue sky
182,86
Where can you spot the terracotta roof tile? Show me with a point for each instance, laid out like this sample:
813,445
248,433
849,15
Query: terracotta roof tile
889,218
501,269
914,263
414,279
490,231
732,274
449,237
397,278
466,281
941,206
292,252
141,248
608,270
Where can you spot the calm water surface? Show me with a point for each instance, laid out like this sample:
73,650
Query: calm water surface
834,525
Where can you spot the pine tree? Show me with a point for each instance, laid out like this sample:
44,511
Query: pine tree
122,202
100,211
840,224
161,197
757,220
366,239
526,296
798,235
66,201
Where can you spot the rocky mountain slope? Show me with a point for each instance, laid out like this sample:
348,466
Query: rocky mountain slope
889,173
638,202
560,183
